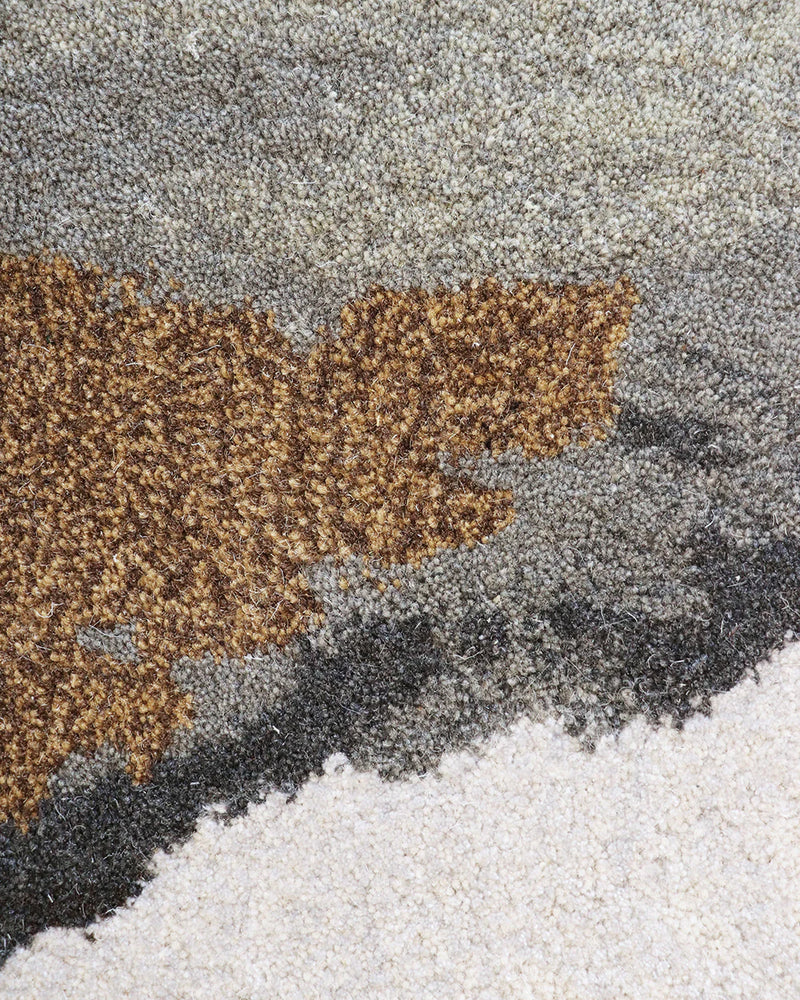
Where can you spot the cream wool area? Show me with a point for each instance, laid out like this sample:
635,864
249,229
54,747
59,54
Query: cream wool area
666,864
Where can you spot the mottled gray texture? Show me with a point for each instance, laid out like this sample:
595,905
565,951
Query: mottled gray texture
296,152
118,642
80,774
228,696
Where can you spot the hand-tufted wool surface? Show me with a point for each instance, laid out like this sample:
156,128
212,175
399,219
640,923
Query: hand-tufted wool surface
399,500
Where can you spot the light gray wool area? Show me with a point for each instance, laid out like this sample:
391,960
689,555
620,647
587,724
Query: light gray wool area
297,153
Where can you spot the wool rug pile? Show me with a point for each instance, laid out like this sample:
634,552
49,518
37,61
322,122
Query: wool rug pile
399,500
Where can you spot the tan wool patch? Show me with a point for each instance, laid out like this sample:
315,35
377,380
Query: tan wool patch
178,467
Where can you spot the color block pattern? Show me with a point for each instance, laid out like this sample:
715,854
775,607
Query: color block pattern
177,468
377,380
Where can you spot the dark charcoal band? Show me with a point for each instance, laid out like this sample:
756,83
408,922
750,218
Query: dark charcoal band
91,851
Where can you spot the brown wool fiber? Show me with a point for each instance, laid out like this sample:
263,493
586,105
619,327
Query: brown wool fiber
177,467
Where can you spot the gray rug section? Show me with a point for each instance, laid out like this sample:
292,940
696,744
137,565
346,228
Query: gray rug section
118,642
296,153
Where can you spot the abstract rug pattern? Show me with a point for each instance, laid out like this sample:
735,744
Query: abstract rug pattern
389,396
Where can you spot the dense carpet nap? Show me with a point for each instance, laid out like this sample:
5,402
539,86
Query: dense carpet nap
379,382
666,864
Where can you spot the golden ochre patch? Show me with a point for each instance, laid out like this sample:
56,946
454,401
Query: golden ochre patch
178,467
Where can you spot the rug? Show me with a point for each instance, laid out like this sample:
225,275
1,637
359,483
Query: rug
399,500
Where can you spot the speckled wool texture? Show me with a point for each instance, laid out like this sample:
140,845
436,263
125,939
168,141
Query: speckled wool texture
297,152
665,864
